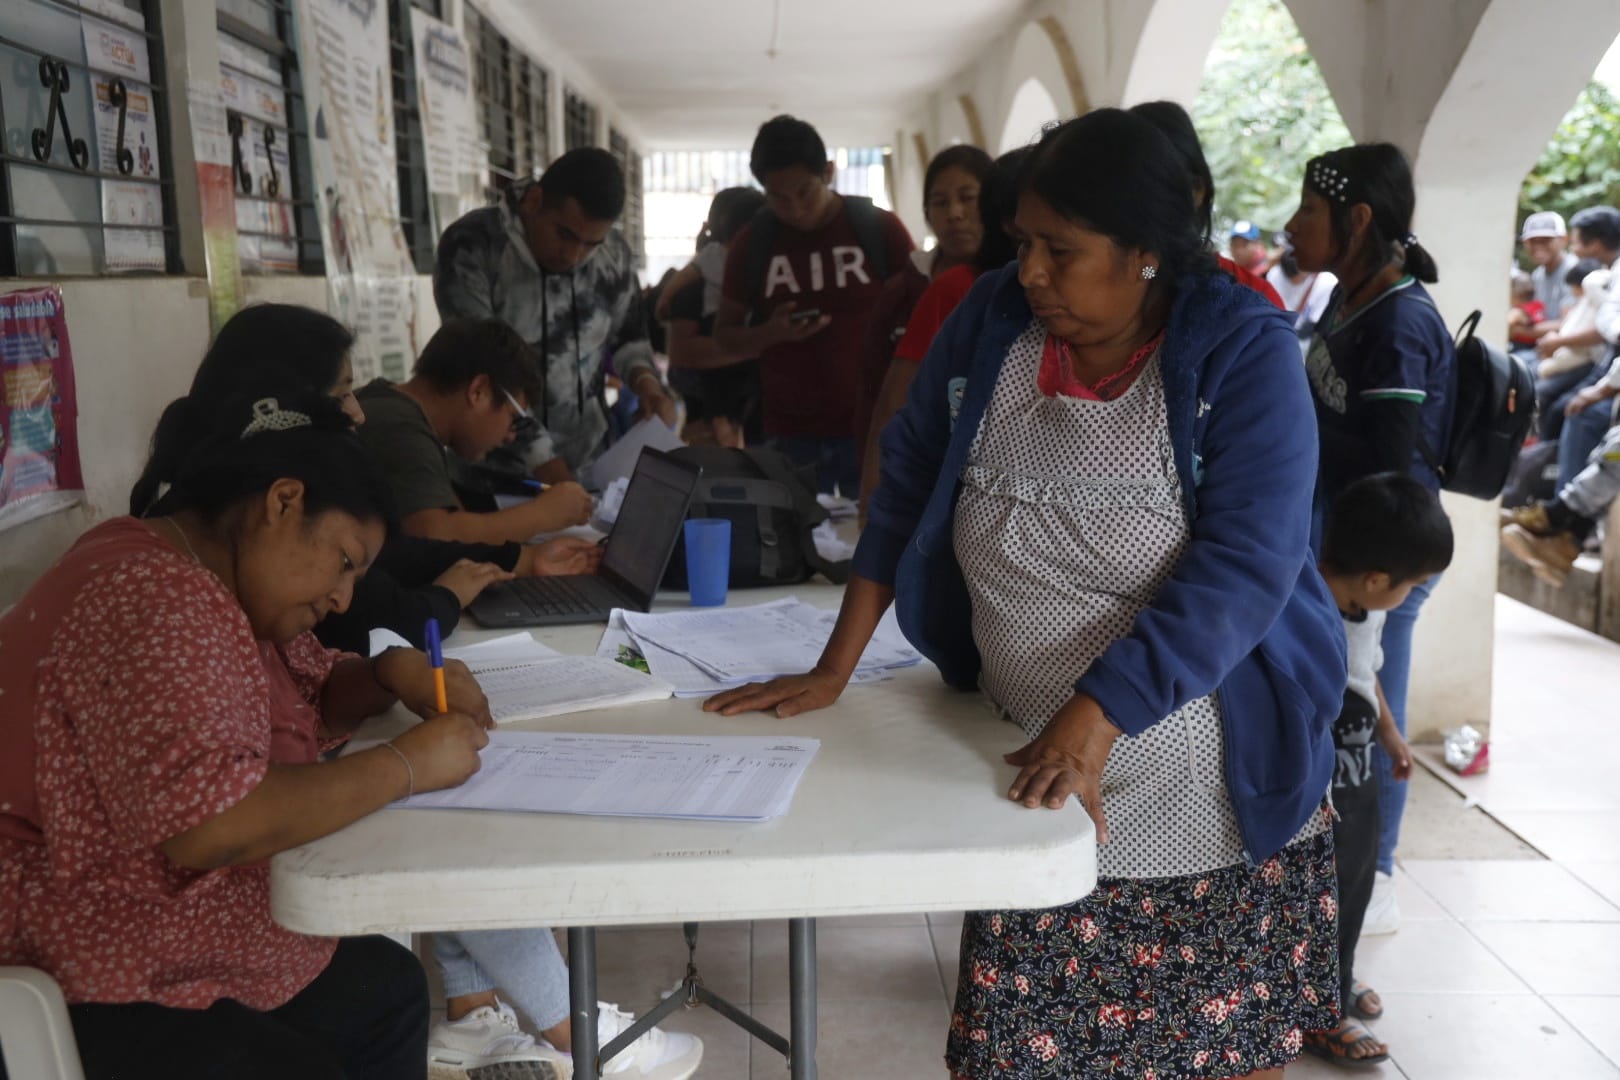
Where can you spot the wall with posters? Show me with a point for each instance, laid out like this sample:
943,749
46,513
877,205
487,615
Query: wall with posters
136,343
137,339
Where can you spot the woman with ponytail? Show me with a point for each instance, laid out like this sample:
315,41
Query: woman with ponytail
166,704
268,347
1383,371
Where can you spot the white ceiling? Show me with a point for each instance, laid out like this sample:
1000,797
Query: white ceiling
694,74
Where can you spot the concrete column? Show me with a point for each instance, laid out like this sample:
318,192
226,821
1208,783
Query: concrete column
1440,82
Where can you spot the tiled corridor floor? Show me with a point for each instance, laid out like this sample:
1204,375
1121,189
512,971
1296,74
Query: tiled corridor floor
1507,966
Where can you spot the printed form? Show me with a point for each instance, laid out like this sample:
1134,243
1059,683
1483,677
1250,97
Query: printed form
712,778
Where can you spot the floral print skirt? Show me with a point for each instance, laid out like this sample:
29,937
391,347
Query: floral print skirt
1183,978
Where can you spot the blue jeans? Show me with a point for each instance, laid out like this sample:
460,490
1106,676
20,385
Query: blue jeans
1395,677
834,460
525,964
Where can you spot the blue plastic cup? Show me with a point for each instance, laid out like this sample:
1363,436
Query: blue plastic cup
708,560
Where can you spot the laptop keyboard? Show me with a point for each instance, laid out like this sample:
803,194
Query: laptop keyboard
563,595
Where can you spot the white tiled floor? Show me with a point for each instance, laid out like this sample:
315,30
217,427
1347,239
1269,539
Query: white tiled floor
1504,969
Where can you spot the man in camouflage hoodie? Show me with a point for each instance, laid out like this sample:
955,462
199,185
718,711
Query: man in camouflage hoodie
547,261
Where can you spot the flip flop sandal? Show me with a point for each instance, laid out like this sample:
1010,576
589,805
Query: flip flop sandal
1359,992
1334,1046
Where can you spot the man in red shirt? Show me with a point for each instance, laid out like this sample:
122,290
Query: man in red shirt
809,269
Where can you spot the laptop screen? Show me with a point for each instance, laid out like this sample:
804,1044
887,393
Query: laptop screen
649,522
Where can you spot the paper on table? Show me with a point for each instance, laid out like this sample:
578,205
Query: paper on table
507,648
687,678
381,639
564,684
620,458
719,778
783,637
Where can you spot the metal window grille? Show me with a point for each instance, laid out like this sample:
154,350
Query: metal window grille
513,95
277,227
415,205
57,195
579,121
634,219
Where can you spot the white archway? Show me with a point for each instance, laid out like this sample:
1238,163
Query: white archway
1035,87
1032,108
1167,59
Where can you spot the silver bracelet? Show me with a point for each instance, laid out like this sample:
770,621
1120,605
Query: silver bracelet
410,773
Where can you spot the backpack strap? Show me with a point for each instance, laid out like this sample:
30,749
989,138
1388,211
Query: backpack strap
867,222
1465,334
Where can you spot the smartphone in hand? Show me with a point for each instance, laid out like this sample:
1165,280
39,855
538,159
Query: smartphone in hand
807,315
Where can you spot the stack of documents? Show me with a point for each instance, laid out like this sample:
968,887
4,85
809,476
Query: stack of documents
707,778
705,651
524,680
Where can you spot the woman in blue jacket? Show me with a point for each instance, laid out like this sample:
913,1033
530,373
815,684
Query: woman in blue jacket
1095,507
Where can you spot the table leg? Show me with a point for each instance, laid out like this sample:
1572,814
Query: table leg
582,996
802,996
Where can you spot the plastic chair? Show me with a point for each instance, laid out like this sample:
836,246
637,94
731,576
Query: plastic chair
36,1038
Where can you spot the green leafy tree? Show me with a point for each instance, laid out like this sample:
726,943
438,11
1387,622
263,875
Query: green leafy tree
1262,112
1581,165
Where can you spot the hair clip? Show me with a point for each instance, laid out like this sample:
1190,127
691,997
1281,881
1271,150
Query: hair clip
268,415
1329,182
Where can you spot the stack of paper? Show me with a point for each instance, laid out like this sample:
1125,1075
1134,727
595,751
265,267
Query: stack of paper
710,778
838,507
524,680
705,651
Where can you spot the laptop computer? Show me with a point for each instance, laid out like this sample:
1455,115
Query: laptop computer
633,563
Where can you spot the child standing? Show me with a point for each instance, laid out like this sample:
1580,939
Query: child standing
1384,534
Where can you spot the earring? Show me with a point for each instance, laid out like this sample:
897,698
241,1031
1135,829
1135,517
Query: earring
1149,272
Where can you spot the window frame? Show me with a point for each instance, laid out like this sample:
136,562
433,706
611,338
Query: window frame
518,135
10,220
310,250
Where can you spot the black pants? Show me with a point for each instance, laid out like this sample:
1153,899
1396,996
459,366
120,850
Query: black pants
364,1018
1355,844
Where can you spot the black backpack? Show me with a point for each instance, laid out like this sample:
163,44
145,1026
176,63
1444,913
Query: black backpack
1495,405
864,219
772,507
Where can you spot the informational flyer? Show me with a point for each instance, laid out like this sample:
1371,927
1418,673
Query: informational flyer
456,156
369,272
39,447
126,142
267,230
211,145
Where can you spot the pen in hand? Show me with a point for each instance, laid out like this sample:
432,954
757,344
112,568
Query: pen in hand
435,650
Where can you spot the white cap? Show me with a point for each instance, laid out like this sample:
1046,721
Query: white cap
1543,223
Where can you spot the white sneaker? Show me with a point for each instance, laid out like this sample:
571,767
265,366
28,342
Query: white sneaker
1383,910
657,1055
487,1044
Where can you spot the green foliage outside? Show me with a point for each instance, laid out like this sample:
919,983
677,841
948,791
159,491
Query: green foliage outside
1262,112
1581,165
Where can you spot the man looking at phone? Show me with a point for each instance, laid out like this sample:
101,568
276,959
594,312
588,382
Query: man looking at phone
808,269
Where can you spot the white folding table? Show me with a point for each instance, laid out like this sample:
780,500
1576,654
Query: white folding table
903,810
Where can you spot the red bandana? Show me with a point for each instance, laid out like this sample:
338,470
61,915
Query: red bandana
1057,376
